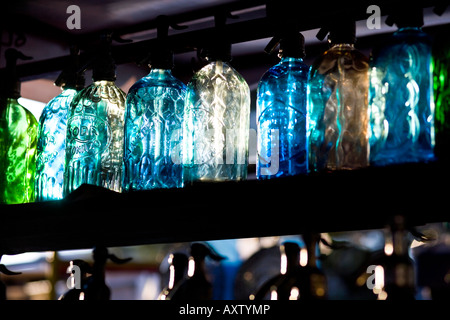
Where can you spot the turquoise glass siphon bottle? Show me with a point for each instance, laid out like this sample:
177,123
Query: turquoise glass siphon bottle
281,112
153,124
400,94
95,129
217,120
18,138
51,146
337,103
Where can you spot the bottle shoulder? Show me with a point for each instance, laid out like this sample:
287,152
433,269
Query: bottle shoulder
298,70
149,82
348,57
60,103
401,42
20,115
214,69
98,91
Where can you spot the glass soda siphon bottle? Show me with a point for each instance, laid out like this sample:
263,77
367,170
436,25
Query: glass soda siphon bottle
18,138
440,70
197,285
95,128
399,269
337,103
51,146
217,117
281,111
153,123
400,93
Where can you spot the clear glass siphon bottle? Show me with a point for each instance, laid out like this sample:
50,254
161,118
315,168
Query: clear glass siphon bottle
18,138
281,113
216,121
51,146
95,130
400,94
153,126
337,104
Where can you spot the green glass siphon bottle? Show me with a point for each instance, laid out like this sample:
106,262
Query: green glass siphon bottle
18,138
440,71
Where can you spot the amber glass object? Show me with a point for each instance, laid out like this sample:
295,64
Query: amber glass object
338,105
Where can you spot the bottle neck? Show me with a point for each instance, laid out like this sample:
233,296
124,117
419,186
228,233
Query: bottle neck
342,46
104,83
409,30
400,243
159,72
290,61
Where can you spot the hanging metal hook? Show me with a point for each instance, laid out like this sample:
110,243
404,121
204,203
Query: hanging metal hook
20,40
5,270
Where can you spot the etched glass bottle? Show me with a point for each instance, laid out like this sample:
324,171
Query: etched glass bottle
51,146
281,113
216,122
95,131
400,95
338,105
153,126
18,139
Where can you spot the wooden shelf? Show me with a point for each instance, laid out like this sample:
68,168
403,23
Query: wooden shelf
329,202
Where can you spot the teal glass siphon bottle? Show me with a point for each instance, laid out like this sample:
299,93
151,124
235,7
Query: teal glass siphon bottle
337,103
51,146
217,121
153,126
18,138
281,113
400,94
95,129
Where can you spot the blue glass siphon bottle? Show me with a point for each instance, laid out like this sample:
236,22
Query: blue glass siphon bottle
400,94
51,146
337,103
281,112
153,124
